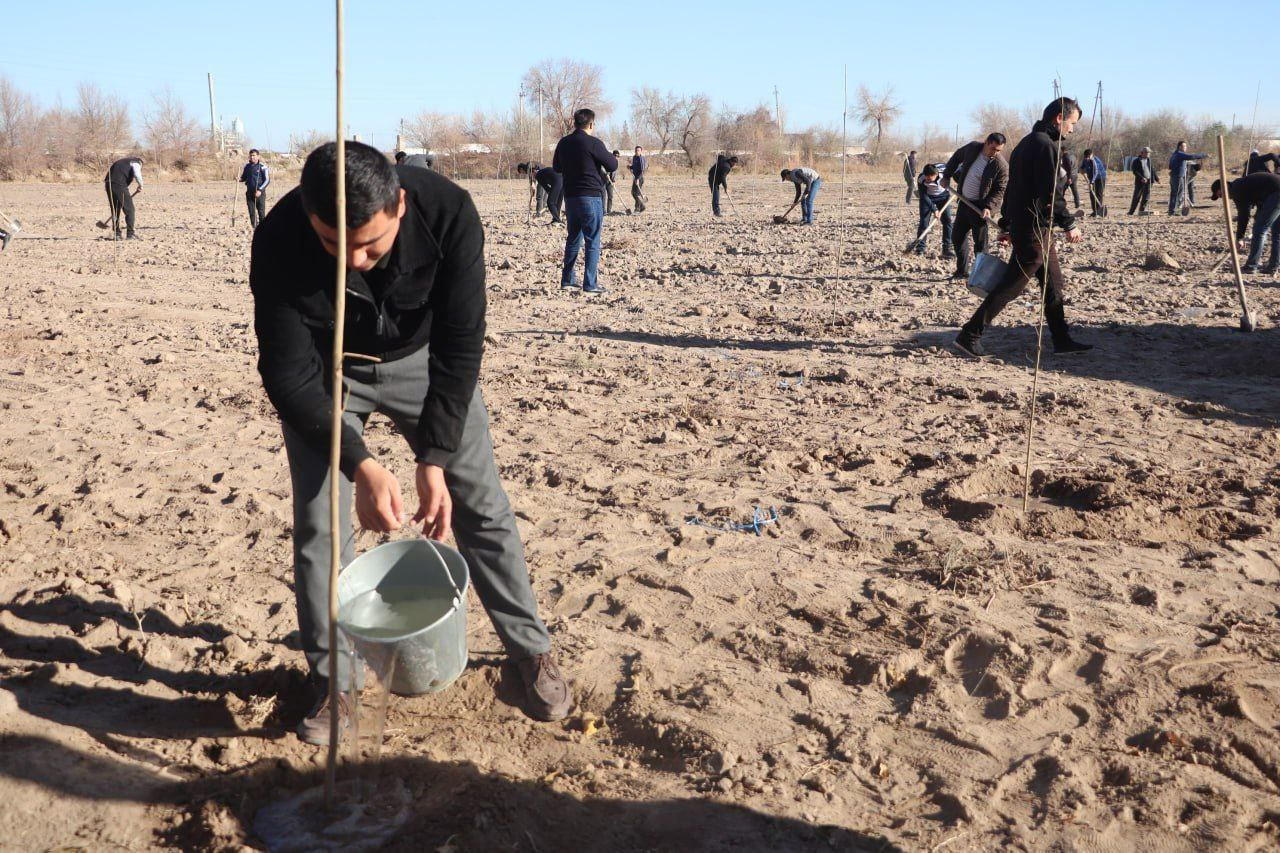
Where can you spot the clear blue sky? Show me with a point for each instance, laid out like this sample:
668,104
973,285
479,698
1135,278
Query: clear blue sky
272,61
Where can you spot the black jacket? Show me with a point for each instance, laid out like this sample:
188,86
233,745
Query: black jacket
1249,192
994,180
433,295
1258,162
717,173
579,157
120,175
1034,197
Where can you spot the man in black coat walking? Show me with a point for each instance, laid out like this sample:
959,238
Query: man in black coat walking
1033,204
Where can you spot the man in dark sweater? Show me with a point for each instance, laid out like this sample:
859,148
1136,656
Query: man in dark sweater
1033,204
1144,175
416,302
716,180
1260,190
639,164
1179,176
981,176
418,161
579,159
122,173
255,176
1258,162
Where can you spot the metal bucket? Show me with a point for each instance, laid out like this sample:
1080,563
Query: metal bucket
423,658
987,273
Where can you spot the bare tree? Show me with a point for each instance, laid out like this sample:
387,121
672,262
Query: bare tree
170,132
655,115
693,126
996,118
101,125
877,112
754,133
19,130
302,144
439,132
566,86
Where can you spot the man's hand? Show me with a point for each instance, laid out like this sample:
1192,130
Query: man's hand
378,504
435,507
138,190
937,214
1074,236
1004,239
257,193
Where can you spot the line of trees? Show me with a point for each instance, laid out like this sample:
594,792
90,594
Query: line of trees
683,130
89,133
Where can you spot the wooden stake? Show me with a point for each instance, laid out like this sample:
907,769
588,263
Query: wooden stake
1247,320
1044,296
337,399
844,158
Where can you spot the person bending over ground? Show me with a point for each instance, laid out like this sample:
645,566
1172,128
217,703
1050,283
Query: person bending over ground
255,176
122,173
8,229
537,195
1095,174
1260,190
638,165
933,205
417,302
1179,177
1033,204
1259,163
716,179
418,161
1144,176
581,158
807,182
551,192
981,176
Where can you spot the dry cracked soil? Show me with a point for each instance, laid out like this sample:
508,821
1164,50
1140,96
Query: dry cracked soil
907,660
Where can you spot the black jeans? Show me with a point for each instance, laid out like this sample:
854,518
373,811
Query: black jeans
120,200
607,197
257,207
967,221
637,192
1029,260
1096,189
1141,195
1075,189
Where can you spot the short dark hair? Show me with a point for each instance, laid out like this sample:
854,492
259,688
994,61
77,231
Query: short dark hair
255,151
583,117
786,173
913,150
733,160
997,138
638,147
1088,152
1062,106
1181,142
372,184
1215,189
616,152
400,155
930,169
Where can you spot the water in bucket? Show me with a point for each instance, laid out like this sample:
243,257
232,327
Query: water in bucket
389,612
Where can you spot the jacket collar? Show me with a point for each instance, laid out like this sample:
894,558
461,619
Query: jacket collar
415,245
1046,128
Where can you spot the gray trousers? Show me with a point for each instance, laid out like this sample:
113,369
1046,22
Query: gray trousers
483,523
637,192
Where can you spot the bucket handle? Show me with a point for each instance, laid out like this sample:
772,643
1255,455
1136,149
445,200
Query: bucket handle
457,593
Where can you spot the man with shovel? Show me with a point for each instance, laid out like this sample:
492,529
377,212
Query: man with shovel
1033,204
638,165
1260,190
981,176
1144,175
416,305
1179,177
807,182
717,179
122,173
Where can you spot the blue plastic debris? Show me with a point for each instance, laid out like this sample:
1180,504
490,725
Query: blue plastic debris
759,518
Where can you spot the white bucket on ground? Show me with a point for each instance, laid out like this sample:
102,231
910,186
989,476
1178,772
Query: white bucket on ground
407,601
987,272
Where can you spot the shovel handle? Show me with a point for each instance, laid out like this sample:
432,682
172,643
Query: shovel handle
1231,237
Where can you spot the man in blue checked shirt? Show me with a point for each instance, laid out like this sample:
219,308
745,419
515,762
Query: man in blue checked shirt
255,176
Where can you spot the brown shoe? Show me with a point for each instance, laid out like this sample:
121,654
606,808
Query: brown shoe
546,690
314,728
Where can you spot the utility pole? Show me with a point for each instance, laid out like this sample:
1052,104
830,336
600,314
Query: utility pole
542,124
777,110
213,119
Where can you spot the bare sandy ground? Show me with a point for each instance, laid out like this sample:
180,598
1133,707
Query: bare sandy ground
906,661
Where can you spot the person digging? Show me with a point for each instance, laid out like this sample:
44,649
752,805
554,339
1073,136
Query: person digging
416,302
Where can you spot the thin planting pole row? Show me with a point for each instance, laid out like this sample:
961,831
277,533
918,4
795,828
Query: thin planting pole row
335,424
